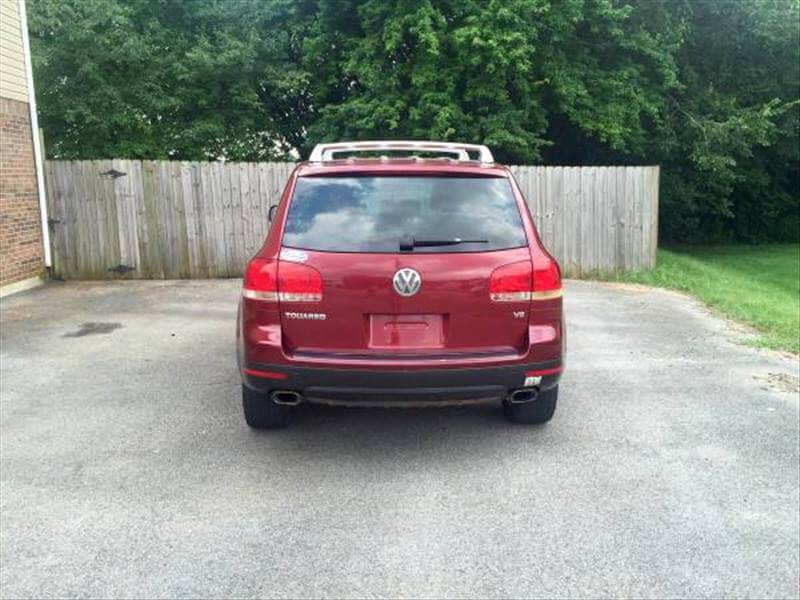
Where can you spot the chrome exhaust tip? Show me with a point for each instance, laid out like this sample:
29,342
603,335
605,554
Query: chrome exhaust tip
524,395
286,397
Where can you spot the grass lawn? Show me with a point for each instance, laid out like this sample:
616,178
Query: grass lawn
757,285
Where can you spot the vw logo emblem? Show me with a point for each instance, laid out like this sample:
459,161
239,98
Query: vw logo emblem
407,282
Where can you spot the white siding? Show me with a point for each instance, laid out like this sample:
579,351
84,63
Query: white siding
13,83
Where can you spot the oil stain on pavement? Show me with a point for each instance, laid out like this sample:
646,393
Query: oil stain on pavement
93,329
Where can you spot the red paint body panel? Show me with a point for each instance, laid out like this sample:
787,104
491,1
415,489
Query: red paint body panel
450,323
455,287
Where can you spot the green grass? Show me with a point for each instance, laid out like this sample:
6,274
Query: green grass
757,285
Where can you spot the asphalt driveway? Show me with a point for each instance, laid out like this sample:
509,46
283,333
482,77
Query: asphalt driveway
126,469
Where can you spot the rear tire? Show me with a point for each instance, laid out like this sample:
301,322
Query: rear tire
261,412
539,411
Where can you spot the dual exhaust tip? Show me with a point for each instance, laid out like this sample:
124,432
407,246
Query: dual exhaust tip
524,395
286,397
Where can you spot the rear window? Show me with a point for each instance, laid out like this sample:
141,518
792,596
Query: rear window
373,214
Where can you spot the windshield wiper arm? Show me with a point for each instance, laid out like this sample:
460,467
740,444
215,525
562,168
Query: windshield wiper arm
409,242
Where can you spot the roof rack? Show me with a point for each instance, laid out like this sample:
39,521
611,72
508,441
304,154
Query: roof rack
327,152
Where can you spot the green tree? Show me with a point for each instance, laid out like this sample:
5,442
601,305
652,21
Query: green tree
707,89
164,79
730,155
498,72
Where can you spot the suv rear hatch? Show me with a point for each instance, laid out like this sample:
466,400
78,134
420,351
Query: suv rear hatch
391,267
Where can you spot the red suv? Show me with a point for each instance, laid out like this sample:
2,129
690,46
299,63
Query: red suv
401,282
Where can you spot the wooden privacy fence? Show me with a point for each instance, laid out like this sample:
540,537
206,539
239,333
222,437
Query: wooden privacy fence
161,219
158,219
595,219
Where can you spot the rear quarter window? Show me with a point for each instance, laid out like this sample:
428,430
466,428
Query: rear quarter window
372,214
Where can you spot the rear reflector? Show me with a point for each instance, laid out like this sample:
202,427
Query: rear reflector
264,374
271,281
543,372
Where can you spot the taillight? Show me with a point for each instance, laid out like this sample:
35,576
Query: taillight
546,278
290,282
299,283
522,281
261,280
511,283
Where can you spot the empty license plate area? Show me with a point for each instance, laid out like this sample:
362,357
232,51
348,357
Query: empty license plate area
406,331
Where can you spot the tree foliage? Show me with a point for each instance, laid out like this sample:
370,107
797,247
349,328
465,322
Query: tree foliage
707,89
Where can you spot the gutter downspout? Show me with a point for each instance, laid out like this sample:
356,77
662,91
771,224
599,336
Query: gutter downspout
37,148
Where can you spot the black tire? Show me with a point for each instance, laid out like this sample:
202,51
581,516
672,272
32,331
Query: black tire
261,412
539,411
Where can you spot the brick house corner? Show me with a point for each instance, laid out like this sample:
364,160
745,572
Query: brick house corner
23,239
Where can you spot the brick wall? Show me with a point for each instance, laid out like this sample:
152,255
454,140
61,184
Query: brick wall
20,225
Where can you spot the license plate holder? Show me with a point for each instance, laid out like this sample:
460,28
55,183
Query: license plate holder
407,331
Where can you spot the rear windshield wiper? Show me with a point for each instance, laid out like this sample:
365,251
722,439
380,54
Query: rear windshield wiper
409,242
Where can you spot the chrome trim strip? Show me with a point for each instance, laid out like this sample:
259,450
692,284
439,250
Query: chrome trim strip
510,296
256,295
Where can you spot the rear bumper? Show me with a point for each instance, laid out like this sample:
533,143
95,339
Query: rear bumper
402,387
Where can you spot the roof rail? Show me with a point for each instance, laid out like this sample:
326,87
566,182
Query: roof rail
327,152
